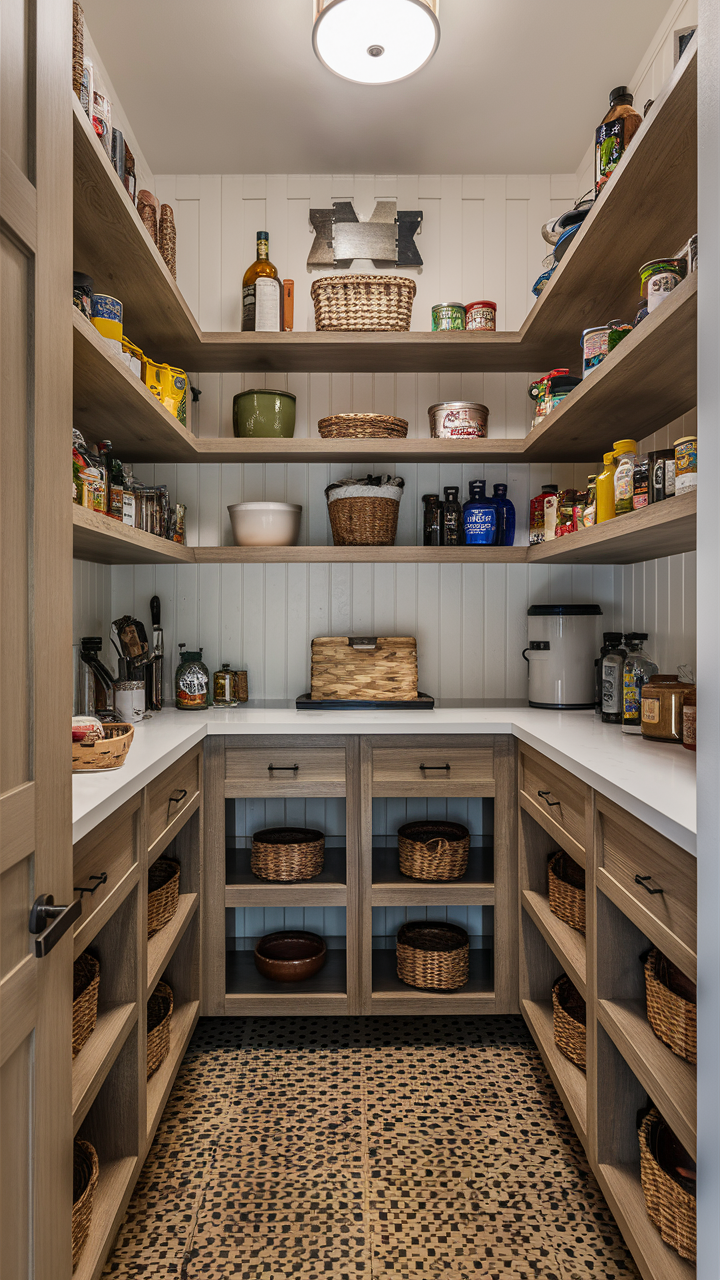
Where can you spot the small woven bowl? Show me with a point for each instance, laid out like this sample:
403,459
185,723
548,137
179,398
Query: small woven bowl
349,426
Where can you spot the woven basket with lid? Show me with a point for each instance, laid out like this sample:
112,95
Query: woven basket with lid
287,853
433,850
566,890
368,668
86,1172
569,1015
671,1005
355,304
352,426
433,955
670,1205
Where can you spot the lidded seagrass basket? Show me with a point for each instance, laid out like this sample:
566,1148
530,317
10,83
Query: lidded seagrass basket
569,1016
433,850
566,890
86,985
373,304
433,955
86,1172
287,853
667,1174
671,1005
364,513
367,668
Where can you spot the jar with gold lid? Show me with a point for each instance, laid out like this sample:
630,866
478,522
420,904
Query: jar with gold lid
662,708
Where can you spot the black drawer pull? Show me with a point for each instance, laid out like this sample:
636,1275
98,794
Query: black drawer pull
641,880
545,795
88,888
292,768
444,767
175,798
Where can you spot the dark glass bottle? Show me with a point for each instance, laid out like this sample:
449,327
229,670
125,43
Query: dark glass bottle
612,684
431,520
480,517
506,516
611,640
451,531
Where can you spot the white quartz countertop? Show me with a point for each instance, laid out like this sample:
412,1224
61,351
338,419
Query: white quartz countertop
653,780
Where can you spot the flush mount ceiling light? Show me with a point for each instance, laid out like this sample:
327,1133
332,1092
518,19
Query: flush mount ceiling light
375,41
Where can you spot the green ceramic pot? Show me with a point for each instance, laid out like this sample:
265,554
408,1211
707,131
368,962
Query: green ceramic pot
264,414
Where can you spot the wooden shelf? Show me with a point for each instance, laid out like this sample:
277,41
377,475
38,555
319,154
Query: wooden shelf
391,889
248,992
104,541
112,1189
161,947
662,529
182,1025
360,555
622,1189
97,1056
566,944
243,889
568,1079
391,996
111,402
670,1080
648,208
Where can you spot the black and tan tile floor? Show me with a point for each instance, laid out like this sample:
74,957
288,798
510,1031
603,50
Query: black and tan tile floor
374,1148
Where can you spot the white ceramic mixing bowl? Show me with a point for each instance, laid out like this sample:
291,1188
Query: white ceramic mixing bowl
265,524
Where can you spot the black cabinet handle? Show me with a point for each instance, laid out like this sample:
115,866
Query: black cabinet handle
642,881
293,768
175,798
425,767
545,795
51,922
90,888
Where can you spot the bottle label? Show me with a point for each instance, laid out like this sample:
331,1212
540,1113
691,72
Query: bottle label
192,689
249,307
631,698
263,250
480,525
267,305
610,688
650,710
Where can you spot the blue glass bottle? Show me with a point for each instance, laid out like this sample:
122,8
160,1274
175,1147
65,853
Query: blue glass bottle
480,517
506,516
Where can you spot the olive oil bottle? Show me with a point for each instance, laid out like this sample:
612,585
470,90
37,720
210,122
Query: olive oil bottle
262,292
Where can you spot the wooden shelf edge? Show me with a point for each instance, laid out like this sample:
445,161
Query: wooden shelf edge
278,895
662,1073
91,1066
111,1194
182,1025
568,1079
104,541
437,1002
661,529
428,893
620,1184
559,937
162,945
90,928
263,1005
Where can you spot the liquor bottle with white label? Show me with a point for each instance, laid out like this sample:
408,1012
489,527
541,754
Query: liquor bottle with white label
262,292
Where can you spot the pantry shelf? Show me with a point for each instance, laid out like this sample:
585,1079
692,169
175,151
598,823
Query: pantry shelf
162,946
621,1187
662,529
568,1079
182,1025
567,945
98,1054
104,541
649,208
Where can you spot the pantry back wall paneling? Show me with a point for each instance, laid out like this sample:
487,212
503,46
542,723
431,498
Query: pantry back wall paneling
480,238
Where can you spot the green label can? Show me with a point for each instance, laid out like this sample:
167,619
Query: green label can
448,315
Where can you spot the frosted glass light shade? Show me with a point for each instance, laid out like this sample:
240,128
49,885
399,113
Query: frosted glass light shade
375,41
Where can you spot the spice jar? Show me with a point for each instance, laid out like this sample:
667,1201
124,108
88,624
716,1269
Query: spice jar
689,711
662,708
191,681
229,687
685,464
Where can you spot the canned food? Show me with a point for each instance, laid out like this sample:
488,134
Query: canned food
107,314
659,277
480,315
448,315
685,464
83,293
457,419
594,347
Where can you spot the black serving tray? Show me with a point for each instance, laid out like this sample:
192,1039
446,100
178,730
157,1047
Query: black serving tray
423,702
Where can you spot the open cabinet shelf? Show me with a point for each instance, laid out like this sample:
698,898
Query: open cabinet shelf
161,947
183,1023
568,1079
109,1201
639,215
251,993
390,995
98,1054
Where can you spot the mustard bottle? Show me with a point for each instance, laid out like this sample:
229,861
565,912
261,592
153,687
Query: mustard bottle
605,490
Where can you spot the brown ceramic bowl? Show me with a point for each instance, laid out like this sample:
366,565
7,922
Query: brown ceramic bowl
291,955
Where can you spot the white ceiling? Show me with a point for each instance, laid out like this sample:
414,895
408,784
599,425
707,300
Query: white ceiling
233,86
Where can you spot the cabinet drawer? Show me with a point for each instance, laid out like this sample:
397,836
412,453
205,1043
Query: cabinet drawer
285,771
640,862
169,798
556,799
106,853
433,771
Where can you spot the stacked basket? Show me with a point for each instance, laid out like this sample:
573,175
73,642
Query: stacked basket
362,426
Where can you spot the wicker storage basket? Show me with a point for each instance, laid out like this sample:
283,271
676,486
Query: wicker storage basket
352,426
109,753
364,513
669,1204
159,1017
372,304
167,238
434,956
148,206
287,853
78,47
385,667
86,984
433,850
163,893
86,1171
671,1005
569,1021
566,890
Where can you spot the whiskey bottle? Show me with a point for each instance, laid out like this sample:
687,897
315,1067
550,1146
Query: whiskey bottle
262,292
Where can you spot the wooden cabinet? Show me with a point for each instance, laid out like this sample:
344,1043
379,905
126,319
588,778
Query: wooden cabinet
285,768
424,769
555,799
172,798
